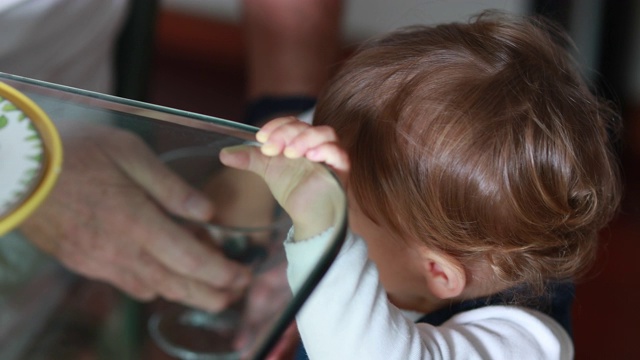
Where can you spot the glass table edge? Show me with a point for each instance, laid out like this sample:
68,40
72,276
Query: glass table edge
115,103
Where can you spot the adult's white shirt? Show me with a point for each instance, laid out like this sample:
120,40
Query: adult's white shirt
68,42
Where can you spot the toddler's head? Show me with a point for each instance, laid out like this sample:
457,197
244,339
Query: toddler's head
479,140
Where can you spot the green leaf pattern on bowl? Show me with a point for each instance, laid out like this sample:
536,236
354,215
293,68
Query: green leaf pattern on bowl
21,156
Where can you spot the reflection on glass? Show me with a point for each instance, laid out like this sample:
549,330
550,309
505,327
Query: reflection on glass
249,227
167,131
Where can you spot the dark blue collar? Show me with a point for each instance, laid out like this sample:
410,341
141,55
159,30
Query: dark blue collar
556,303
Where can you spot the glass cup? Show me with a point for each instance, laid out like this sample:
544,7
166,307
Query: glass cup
249,227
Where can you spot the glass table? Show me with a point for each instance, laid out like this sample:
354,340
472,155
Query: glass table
49,312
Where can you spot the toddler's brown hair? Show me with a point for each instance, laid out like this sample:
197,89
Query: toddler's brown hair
481,140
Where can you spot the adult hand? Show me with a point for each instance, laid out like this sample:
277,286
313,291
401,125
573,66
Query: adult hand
107,219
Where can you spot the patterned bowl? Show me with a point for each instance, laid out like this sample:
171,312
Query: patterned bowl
30,157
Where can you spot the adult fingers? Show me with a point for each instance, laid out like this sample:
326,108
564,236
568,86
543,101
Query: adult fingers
145,279
183,289
121,260
116,275
138,162
182,253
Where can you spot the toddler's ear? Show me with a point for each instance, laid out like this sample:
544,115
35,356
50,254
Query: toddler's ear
445,275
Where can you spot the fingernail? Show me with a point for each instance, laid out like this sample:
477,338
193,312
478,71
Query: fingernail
198,207
291,153
261,136
269,149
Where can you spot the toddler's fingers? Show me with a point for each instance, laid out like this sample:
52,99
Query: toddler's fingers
331,154
265,131
281,137
309,138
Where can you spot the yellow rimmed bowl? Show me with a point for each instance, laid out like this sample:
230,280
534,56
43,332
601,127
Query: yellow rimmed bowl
30,157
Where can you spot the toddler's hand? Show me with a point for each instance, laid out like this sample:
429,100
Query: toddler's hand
294,138
307,192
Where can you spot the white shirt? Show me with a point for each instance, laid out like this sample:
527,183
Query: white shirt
68,42
348,316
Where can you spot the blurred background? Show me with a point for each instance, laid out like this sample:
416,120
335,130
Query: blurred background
197,62
191,55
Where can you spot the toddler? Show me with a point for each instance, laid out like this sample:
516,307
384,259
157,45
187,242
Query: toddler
479,172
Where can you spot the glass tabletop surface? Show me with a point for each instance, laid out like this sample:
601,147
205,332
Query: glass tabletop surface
50,312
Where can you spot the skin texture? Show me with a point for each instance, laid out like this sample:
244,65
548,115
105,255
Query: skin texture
107,218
